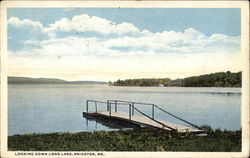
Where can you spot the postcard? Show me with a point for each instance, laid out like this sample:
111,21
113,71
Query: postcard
124,79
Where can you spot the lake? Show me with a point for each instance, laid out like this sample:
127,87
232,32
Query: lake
47,108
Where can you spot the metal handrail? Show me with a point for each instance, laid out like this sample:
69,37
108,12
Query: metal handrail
153,105
154,119
132,104
178,117
129,103
120,103
94,101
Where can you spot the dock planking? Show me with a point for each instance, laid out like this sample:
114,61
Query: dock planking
139,120
142,120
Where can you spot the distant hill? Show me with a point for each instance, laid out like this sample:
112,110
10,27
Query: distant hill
27,80
219,79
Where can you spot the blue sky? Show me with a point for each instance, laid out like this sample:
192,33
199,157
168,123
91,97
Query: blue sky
182,41
209,21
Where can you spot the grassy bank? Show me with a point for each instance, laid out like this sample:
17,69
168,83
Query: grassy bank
141,139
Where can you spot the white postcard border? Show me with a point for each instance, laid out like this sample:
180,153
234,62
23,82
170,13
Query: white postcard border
136,4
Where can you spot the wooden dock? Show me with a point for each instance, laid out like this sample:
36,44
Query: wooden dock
144,119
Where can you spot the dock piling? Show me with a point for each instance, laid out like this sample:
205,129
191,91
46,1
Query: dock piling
87,106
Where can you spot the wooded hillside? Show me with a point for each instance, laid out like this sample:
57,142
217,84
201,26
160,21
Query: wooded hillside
219,79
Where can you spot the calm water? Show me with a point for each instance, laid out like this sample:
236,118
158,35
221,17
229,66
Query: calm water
58,108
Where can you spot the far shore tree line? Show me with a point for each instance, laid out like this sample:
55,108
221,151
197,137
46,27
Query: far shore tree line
219,79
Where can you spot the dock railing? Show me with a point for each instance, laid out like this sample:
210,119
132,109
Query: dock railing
131,105
96,104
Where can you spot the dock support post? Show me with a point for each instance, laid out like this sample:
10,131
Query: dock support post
133,109
87,123
153,111
95,106
129,115
87,107
115,106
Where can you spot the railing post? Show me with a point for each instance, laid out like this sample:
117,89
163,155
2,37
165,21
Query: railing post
133,108
153,111
129,112
115,106
95,106
109,109
107,105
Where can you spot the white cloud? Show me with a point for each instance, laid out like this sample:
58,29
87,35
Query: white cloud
131,53
189,41
83,23
20,31
193,34
26,22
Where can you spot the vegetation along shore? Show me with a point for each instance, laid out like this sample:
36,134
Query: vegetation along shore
139,139
219,79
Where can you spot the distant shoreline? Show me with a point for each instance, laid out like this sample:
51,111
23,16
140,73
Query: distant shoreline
174,86
12,83
219,79
27,80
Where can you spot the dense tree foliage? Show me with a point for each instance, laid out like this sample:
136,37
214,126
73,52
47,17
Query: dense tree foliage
220,79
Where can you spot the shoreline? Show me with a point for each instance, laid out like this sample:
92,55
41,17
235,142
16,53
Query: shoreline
138,139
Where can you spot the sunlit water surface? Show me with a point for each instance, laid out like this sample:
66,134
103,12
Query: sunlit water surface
47,108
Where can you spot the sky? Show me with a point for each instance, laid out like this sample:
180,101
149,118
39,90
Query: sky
107,44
